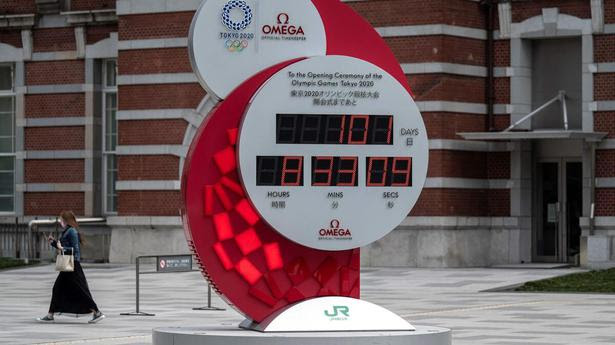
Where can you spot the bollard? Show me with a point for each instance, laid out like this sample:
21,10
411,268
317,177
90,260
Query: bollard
137,312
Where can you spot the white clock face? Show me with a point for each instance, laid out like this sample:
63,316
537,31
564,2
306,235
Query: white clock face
333,152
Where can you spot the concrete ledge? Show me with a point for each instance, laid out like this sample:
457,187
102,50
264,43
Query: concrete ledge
599,221
156,114
161,78
54,187
602,106
176,150
455,222
125,7
153,43
452,107
59,88
444,67
432,29
231,335
148,185
465,145
55,121
605,182
502,109
605,67
606,144
468,183
447,247
53,56
130,241
60,154
143,221
15,21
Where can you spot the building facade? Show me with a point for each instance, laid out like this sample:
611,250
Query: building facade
98,105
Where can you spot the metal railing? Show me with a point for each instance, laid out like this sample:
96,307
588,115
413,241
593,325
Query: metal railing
13,239
28,241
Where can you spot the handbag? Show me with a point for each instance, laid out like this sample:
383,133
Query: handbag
65,263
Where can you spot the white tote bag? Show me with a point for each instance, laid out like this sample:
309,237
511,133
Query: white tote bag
65,263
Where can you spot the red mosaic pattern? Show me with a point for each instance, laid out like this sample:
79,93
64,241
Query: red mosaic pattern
237,251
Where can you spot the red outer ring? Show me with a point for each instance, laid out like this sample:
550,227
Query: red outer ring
254,268
240,259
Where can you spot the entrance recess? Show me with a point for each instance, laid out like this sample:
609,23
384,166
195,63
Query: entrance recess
558,207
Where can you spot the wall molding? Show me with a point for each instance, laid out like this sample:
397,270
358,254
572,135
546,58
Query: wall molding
444,67
54,187
148,185
180,42
143,150
453,107
59,154
160,78
468,183
467,145
125,7
431,30
118,221
55,121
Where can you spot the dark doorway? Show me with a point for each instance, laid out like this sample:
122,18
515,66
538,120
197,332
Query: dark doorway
558,201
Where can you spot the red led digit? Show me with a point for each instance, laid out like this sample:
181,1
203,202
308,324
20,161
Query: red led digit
373,170
352,171
316,171
404,173
342,127
288,171
352,130
389,133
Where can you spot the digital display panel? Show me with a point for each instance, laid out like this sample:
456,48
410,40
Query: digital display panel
334,171
389,171
279,171
334,129
364,159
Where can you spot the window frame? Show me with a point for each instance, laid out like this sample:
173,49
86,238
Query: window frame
12,153
105,91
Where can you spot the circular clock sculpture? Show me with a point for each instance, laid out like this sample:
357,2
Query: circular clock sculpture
315,149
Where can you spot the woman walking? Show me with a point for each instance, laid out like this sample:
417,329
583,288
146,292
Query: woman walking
71,293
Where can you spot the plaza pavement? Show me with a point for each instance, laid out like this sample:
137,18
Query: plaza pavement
438,297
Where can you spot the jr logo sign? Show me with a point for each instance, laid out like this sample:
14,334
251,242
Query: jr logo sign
338,309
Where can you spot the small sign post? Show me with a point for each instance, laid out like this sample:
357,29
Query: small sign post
174,263
166,264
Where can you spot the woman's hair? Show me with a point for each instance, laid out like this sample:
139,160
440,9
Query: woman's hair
70,219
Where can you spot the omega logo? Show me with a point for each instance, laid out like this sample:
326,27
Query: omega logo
285,16
282,27
334,230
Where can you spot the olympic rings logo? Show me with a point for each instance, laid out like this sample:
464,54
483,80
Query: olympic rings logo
236,45
226,15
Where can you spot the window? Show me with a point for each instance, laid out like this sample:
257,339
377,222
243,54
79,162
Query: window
7,139
109,94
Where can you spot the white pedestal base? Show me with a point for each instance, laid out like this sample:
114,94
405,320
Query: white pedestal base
422,335
332,313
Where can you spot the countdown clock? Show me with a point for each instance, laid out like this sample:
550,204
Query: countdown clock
337,143
290,173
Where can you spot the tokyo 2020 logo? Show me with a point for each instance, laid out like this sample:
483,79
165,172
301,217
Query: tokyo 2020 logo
241,6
